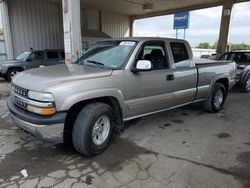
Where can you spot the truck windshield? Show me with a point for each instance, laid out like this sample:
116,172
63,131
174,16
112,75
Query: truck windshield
110,54
22,56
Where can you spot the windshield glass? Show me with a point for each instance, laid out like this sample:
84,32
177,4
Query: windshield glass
110,54
23,56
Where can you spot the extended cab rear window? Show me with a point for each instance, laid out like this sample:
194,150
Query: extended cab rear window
179,51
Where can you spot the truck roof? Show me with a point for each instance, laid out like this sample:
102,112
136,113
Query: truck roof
144,39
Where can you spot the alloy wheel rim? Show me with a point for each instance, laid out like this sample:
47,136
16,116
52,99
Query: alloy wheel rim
218,98
13,73
101,130
248,84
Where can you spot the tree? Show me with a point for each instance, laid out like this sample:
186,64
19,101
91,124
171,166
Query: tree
204,45
1,32
241,46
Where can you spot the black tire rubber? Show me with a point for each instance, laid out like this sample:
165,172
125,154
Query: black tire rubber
243,88
82,130
8,77
209,103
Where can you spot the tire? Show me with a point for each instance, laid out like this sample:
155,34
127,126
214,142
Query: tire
245,87
11,73
89,119
216,100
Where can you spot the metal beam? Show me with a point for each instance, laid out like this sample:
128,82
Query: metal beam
225,26
72,30
183,9
177,10
131,26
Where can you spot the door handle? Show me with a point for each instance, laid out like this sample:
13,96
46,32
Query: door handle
170,77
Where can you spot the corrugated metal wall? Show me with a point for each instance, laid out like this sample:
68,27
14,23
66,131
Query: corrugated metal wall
115,25
39,24
35,23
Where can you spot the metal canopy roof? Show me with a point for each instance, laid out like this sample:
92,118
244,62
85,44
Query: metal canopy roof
158,7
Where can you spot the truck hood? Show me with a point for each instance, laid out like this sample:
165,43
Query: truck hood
41,78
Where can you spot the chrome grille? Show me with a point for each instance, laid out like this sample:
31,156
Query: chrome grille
20,91
18,96
19,102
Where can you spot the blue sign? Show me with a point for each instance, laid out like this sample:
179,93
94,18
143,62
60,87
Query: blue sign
181,20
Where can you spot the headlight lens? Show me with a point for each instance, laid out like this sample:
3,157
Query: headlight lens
44,97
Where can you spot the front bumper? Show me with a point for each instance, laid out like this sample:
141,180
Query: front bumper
2,75
44,128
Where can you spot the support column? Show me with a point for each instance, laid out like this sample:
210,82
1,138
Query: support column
225,26
72,30
131,26
4,10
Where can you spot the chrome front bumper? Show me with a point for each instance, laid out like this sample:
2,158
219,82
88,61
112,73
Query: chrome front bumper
51,133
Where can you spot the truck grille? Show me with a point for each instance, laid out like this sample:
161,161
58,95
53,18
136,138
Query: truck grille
19,102
20,91
19,95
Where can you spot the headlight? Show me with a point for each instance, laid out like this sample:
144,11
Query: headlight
44,97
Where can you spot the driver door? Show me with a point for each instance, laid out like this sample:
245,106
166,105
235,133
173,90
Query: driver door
151,90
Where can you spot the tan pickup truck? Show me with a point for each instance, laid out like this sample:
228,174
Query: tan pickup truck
115,81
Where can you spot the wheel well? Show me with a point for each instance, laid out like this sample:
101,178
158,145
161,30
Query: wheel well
14,68
224,81
76,108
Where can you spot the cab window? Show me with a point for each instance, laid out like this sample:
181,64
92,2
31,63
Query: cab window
180,55
36,56
247,57
179,51
154,52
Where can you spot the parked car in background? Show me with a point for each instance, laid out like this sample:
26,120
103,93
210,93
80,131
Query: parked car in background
242,59
30,60
115,81
214,56
205,56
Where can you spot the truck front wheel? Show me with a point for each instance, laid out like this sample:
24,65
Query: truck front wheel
216,100
93,128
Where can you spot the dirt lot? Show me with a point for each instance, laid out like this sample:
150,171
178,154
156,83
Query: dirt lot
185,147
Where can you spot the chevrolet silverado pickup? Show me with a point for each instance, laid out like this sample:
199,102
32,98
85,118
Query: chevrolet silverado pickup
115,81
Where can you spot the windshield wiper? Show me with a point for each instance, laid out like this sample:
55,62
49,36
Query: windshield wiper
96,63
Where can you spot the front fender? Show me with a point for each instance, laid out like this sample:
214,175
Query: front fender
87,95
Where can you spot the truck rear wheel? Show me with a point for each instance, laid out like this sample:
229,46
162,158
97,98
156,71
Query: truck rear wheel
93,128
245,87
216,100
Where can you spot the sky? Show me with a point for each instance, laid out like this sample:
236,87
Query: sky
204,25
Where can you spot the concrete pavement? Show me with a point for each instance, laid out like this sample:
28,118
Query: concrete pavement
185,147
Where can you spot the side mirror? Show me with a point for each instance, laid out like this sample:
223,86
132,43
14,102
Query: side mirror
142,65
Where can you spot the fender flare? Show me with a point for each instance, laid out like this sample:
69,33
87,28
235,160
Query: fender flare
94,94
